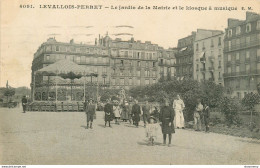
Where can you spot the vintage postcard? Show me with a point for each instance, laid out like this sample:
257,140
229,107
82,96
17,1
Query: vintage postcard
130,82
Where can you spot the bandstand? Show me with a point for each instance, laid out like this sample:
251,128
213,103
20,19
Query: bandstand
64,88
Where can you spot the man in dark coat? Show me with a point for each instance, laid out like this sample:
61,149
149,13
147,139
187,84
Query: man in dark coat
24,102
108,109
146,112
136,112
166,119
90,112
206,116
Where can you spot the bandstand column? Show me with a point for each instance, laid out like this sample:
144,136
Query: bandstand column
56,94
33,97
84,87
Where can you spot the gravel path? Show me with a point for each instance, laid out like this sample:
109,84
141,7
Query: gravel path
61,138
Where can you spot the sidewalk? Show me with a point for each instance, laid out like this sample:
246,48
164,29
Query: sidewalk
61,138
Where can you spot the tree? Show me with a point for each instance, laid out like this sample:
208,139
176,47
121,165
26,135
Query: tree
230,108
258,88
9,92
250,100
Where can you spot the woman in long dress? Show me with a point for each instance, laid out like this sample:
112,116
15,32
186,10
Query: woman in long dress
178,106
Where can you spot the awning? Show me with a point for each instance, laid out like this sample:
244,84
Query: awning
183,49
202,57
202,54
65,67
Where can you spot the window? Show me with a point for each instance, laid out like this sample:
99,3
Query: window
147,64
247,67
229,45
138,63
258,25
219,41
47,57
113,81
161,61
138,55
203,46
237,68
248,40
230,33
229,69
248,27
238,30
147,81
219,63
247,54
229,57
212,43
57,48
95,60
138,73
197,46
122,81
153,64
258,66
122,62
78,59
130,81
237,57
138,82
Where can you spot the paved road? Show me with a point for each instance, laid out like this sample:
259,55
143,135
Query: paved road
61,138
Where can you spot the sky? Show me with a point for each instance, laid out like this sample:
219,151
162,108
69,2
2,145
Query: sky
23,30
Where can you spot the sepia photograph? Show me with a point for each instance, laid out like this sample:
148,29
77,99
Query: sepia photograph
120,82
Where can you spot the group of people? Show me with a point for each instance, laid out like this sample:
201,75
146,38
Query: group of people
167,116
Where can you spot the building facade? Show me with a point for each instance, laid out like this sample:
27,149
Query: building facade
208,56
242,55
184,57
117,63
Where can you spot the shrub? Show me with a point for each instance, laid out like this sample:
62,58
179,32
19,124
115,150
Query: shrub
250,100
230,108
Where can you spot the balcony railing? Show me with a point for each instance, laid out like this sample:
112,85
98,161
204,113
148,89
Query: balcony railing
242,73
243,45
211,68
202,69
212,58
237,61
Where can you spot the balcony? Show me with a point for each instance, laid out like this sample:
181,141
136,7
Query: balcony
228,63
242,73
237,61
242,45
202,69
211,68
247,60
212,58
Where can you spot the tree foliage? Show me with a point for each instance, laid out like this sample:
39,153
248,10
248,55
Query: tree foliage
250,100
190,90
230,108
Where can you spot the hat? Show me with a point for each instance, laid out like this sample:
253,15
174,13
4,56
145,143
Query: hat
151,117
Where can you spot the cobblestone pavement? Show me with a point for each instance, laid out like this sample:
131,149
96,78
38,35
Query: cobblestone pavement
61,138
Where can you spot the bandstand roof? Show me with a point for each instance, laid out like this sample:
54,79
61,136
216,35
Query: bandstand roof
65,67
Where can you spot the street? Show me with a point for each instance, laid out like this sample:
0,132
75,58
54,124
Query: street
61,138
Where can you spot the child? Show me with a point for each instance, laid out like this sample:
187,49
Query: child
151,130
